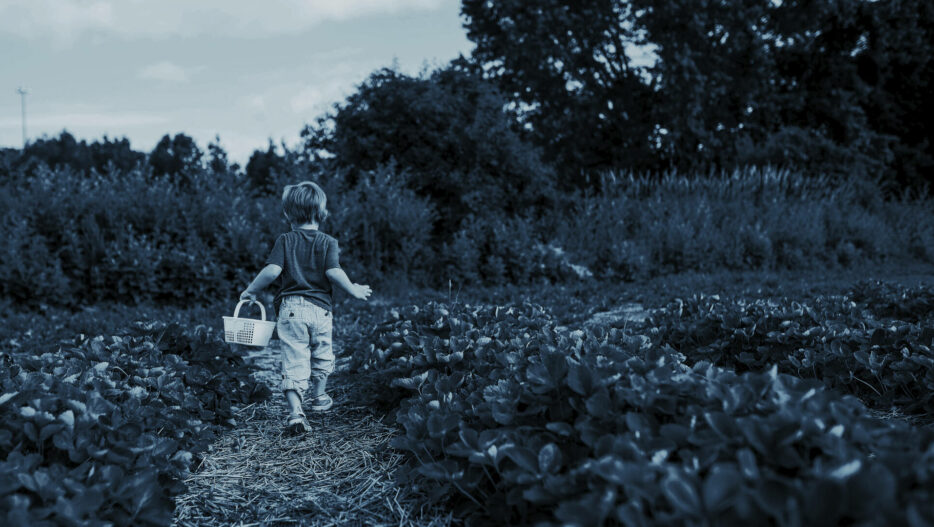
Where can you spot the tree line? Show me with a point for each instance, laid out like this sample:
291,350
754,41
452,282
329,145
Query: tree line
557,93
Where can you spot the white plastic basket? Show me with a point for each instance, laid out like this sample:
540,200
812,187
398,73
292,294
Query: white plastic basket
248,331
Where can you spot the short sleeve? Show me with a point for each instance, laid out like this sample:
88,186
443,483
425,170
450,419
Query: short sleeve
332,256
277,254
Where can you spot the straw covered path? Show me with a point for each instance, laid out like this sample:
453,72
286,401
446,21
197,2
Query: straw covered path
341,473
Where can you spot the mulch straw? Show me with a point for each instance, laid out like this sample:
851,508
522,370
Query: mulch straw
341,473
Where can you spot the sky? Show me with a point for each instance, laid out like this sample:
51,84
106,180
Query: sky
243,70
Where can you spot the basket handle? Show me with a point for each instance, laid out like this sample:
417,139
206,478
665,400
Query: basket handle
262,309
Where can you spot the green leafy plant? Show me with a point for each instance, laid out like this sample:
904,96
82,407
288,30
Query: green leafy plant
874,342
101,430
510,417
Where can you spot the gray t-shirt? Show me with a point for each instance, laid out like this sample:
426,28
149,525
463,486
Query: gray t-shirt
304,255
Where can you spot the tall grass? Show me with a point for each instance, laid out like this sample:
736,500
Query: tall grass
748,219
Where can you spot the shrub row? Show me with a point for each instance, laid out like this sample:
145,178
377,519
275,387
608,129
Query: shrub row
748,220
101,431
509,417
74,238
876,342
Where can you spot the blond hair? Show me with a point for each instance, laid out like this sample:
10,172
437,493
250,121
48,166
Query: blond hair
304,202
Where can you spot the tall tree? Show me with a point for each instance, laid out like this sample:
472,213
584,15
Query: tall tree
264,168
568,65
172,155
446,133
66,151
824,84
896,63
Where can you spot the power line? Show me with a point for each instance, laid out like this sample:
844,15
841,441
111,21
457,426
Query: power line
22,93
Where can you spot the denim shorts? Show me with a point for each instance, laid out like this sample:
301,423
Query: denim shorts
305,331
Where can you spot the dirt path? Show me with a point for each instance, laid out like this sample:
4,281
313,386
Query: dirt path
339,474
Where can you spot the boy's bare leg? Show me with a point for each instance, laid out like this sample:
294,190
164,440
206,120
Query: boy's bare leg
295,402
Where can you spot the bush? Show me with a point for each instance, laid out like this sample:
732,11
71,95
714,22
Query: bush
384,227
197,237
80,239
865,348
104,429
750,219
516,420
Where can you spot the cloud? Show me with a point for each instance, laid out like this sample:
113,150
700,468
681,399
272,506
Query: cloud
253,105
50,18
308,99
164,71
65,20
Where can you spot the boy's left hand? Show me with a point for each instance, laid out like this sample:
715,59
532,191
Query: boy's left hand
246,295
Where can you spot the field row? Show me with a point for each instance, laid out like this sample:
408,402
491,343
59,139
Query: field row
719,409
728,411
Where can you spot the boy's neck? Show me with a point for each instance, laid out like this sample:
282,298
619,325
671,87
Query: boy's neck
306,226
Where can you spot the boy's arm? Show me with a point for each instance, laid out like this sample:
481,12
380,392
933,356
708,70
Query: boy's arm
265,277
337,276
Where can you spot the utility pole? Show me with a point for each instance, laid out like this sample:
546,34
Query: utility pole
22,94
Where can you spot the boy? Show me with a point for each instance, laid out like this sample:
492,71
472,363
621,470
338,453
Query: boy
307,261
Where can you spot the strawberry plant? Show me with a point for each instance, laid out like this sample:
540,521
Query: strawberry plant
512,418
100,431
876,342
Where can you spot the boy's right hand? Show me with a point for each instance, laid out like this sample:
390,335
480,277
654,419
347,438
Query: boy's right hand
361,292
246,295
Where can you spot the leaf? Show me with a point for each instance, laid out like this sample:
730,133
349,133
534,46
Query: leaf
537,495
722,424
590,509
927,336
720,487
503,412
681,494
577,513
440,424
846,470
615,470
523,457
599,404
638,423
549,458
580,379
747,463
97,406
49,430
538,374
556,364
469,437
6,397
29,430
410,383
562,429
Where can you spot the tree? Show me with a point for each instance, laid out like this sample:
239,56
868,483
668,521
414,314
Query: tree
569,68
823,84
66,151
172,155
116,154
896,64
217,158
448,135
263,168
